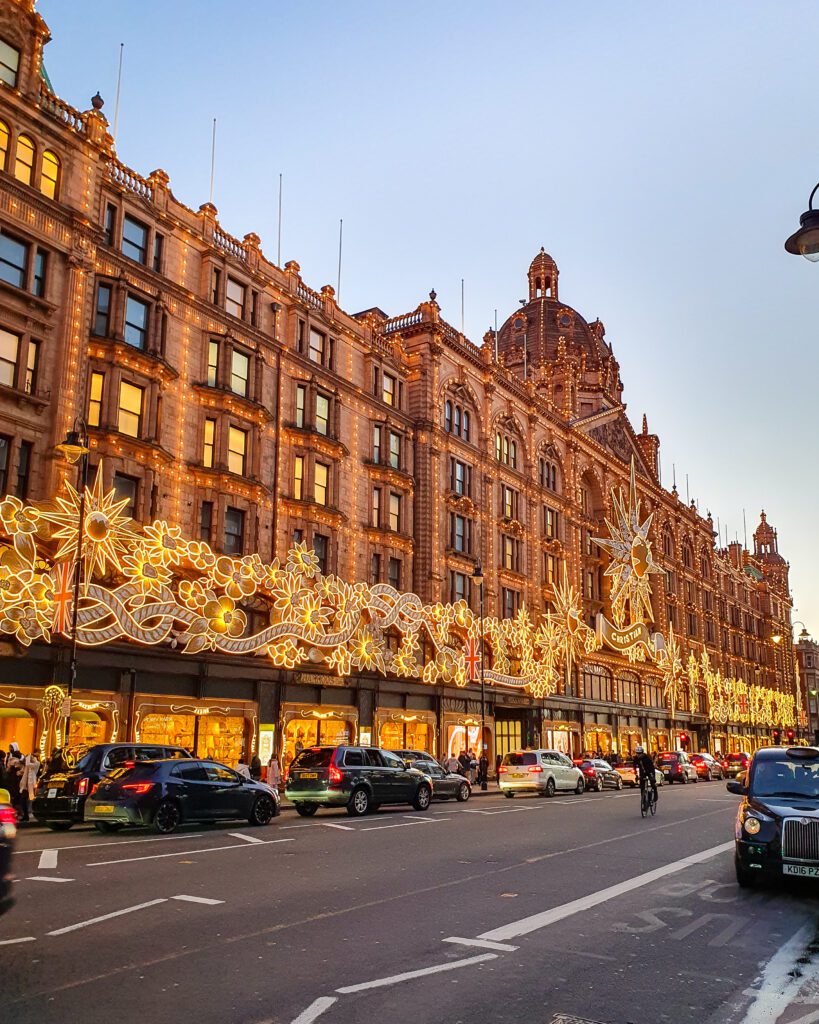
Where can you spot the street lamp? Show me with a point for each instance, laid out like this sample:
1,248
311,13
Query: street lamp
75,451
477,579
805,241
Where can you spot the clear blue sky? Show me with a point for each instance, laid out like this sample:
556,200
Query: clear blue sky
660,152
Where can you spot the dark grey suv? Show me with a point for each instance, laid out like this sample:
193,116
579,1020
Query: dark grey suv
358,778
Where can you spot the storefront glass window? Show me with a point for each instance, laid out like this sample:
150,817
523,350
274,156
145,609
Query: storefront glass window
309,732
406,736
221,738
16,726
168,729
598,740
458,738
86,729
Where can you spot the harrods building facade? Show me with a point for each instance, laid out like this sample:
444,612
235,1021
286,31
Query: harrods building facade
227,396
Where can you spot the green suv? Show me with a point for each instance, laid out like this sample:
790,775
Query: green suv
358,778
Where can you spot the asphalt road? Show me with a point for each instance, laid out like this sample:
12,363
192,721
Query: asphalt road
573,906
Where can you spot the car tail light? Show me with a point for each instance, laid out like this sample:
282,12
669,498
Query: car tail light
82,786
335,775
8,823
502,770
94,788
589,771
536,768
138,787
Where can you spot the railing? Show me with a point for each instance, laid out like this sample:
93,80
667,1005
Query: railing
64,113
400,323
231,245
309,296
130,180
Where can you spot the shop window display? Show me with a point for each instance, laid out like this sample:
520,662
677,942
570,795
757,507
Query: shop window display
406,736
221,738
598,741
16,726
312,732
173,730
86,729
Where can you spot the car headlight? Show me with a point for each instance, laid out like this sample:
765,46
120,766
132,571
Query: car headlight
752,826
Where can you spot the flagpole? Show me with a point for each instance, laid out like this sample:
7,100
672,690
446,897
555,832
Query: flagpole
119,83
212,160
338,281
279,249
496,335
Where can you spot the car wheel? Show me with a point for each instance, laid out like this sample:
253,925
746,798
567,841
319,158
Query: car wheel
745,879
598,788
59,826
423,798
359,803
619,784
581,786
107,826
684,779
464,793
262,811
306,810
166,817
509,794
550,787
708,776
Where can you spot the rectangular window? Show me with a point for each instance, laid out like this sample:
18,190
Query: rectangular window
301,396
5,449
215,285
13,260
300,328
510,550
102,311
298,477
95,399
375,512
376,380
40,263
298,536
317,347
206,521
136,322
395,450
321,476
239,373
395,512
9,63
388,389
394,573
110,223
510,599
375,568
320,546
551,570
254,308
134,240
209,443
32,366
130,409
9,348
235,298
213,362
127,487
24,468
237,450
458,586
509,502
460,533
377,445
234,531
322,414
550,522
460,477
157,260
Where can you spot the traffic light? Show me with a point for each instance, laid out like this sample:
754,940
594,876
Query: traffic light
791,735
684,740
777,737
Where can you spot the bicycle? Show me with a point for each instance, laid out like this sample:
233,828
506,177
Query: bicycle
648,801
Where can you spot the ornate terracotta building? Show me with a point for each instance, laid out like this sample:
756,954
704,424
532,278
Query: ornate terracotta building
226,395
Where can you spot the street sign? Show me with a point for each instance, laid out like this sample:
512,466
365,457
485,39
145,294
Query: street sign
472,659
65,708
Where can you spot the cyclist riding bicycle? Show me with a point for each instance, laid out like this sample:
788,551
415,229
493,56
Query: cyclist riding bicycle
646,773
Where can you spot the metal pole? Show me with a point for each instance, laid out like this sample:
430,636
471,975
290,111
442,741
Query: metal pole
212,160
279,247
119,85
72,672
483,708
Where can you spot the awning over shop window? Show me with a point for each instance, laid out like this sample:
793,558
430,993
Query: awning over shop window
14,713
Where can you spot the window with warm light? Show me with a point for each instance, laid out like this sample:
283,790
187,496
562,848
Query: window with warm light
235,298
24,159
4,144
377,433
460,533
9,63
317,347
32,366
130,409
551,570
13,260
551,521
389,389
510,602
395,450
134,240
458,586
298,477
509,502
375,511
9,349
136,322
301,400
460,477
239,373
213,362
395,512
95,398
322,414
237,450
209,443
321,478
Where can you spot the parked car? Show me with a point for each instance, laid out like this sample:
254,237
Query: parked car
445,785
409,757
59,800
599,775
707,767
8,833
676,767
735,764
166,793
777,826
628,773
358,778
539,771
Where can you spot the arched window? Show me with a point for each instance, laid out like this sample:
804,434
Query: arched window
4,144
668,544
24,159
465,427
457,420
448,416
457,429
688,555
549,475
506,450
49,174
597,683
705,567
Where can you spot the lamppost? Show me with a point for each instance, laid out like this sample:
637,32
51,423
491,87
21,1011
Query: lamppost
477,579
75,451
805,241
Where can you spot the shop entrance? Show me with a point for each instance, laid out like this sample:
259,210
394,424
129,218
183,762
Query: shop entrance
313,732
598,741
508,735
629,741
16,726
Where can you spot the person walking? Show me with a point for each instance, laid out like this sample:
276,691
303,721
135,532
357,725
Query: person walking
483,768
274,775
452,764
14,768
242,766
28,784
463,762
256,768
498,763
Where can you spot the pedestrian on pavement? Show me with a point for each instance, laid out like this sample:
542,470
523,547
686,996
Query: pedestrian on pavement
452,764
242,767
256,768
472,771
28,784
14,767
483,768
274,775
498,763
463,763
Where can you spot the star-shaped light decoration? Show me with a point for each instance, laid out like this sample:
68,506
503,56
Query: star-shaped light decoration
574,637
632,563
670,661
108,535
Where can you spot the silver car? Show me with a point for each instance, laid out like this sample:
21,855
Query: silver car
544,772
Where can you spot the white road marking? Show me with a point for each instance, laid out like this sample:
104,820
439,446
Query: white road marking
508,810
13,942
398,824
183,853
198,899
501,947
106,917
247,839
47,878
332,824
419,817
409,975
116,842
778,984
315,1009
548,917
284,828
48,859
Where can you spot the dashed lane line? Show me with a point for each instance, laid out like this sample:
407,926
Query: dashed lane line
106,917
48,859
500,947
314,1010
247,839
116,842
334,824
185,853
47,878
13,942
198,899
451,965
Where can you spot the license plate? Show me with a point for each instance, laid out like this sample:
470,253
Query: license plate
518,775
309,775
52,793
104,809
800,869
